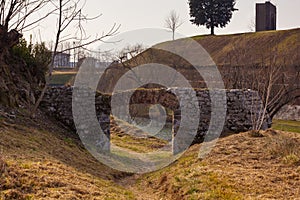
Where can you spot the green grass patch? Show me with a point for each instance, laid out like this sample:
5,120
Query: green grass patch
139,145
284,125
61,79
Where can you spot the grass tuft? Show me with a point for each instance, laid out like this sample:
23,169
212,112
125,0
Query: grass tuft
286,148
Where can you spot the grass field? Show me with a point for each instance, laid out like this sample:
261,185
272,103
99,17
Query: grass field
284,125
62,77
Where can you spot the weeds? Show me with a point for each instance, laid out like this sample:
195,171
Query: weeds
286,148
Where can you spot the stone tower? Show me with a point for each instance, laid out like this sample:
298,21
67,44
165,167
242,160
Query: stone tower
265,16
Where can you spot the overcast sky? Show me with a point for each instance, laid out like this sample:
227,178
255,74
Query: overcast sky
140,14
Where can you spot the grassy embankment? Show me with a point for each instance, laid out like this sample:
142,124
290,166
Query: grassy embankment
40,160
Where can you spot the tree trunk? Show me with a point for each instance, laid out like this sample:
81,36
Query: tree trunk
49,78
212,30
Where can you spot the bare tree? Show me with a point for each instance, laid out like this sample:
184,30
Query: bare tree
275,79
129,52
14,14
173,22
128,57
265,86
70,14
17,16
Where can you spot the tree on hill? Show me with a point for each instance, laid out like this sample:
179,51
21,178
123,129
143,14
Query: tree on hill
211,13
173,22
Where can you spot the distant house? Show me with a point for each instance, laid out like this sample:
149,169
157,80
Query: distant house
265,16
62,60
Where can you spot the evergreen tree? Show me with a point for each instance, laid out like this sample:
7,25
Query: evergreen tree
211,13
36,57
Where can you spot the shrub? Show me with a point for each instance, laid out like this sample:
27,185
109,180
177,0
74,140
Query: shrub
37,57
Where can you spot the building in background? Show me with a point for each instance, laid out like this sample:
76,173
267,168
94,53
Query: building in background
266,15
62,60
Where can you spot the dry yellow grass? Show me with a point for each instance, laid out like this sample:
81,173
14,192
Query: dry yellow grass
39,160
73,72
239,167
243,49
42,161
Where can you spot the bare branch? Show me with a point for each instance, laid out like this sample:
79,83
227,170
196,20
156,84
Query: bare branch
70,12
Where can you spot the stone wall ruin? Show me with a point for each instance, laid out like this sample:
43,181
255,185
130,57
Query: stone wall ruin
242,107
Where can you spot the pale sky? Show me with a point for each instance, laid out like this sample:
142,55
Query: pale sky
141,14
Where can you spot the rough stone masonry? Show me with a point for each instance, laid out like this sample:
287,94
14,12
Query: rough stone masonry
243,109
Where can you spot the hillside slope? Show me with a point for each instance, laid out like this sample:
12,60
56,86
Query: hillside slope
41,160
235,49
243,166
249,48
280,48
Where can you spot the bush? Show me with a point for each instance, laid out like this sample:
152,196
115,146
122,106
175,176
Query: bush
37,57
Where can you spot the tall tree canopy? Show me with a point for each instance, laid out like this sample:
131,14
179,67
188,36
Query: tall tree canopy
211,13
